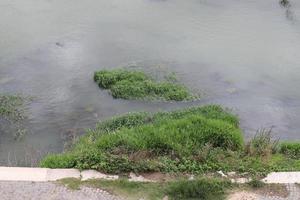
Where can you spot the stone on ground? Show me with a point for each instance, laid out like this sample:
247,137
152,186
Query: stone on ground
93,174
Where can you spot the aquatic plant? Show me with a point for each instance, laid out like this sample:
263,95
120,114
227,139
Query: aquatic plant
285,3
127,84
11,107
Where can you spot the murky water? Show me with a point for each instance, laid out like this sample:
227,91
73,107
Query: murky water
241,54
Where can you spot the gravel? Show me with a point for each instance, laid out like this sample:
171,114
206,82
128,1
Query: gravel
10,190
293,190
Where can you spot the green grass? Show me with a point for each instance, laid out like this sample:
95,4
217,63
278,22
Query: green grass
165,141
205,189
193,140
11,107
255,183
262,144
290,149
127,84
202,189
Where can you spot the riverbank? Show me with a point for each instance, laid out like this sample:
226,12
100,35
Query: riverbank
195,140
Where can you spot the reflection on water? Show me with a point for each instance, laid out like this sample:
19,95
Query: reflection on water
241,54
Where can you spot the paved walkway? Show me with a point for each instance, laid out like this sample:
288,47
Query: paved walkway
293,190
33,184
12,190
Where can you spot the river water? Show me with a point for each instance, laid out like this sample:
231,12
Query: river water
241,54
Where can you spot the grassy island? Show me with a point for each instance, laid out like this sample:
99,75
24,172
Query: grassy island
128,84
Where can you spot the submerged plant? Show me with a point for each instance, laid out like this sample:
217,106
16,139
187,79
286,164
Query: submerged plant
12,110
19,134
11,107
285,3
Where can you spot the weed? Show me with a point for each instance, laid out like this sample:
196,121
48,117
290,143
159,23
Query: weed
254,183
262,144
71,183
198,189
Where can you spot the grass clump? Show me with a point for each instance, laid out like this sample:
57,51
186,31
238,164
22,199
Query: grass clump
204,189
58,161
255,183
262,144
11,107
291,149
127,84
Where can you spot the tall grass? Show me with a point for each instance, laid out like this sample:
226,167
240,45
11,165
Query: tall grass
262,144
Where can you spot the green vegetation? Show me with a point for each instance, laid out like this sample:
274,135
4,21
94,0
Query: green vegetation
11,107
121,187
204,189
127,84
262,144
166,141
291,149
198,189
12,110
194,140
254,183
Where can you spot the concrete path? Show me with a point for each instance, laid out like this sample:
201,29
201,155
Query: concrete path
33,183
283,177
11,190
36,174
45,174
293,194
